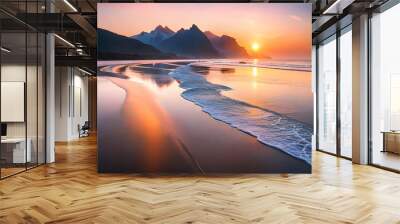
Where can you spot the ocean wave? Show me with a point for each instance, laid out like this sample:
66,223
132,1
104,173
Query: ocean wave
273,129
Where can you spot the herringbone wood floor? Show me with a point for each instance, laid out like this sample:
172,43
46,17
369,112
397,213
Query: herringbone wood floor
71,191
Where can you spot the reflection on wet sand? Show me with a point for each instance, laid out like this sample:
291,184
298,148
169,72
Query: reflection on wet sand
150,128
157,75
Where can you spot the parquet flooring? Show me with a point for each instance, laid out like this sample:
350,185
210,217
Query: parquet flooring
71,191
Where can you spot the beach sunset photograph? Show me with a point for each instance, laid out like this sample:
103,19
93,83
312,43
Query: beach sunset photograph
204,88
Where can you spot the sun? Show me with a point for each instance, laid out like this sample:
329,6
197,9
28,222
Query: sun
255,46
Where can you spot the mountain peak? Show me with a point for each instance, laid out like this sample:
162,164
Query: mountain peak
210,35
155,36
194,27
208,32
226,37
162,29
168,29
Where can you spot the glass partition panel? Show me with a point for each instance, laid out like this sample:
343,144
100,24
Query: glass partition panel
327,95
14,153
31,98
22,64
385,89
346,93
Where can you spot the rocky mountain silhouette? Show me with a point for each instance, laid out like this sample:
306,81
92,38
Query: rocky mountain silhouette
154,37
112,46
190,43
227,46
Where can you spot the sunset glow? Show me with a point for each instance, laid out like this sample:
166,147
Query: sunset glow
279,31
255,46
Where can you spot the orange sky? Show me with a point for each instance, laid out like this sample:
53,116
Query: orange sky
282,30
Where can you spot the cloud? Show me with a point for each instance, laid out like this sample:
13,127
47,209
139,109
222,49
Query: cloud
297,18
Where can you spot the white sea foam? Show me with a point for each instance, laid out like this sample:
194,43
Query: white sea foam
273,129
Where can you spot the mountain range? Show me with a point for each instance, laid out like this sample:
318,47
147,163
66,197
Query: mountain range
112,46
155,36
162,42
191,43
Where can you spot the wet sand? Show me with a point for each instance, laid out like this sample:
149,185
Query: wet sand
150,132
135,138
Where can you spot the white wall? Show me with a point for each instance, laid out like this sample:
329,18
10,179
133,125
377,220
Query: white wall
80,111
62,81
71,102
33,126
16,73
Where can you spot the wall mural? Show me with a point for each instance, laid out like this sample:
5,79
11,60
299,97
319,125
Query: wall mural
204,88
